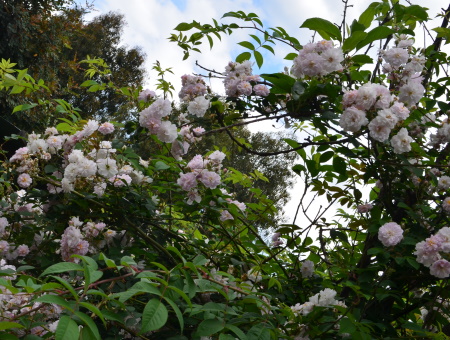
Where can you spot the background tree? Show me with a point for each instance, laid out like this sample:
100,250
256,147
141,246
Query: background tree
52,44
276,169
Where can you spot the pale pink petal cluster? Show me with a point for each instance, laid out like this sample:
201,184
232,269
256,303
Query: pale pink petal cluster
146,95
307,269
80,238
204,170
152,119
325,298
106,128
364,208
428,253
239,80
411,93
396,56
225,215
317,59
352,119
24,180
198,106
401,142
192,87
390,234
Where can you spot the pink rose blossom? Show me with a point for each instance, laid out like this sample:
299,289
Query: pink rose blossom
390,234
210,179
187,181
440,269
364,208
225,215
23,250
120,180
261,90
106,128
24,180
146,95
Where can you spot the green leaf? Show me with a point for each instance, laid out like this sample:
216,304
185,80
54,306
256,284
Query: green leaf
339,165
55,299
184,26
94,310
64,127
5,336
209,327
17,89
413,263
297,90
321,25
67,286
258,332
226,337
90,324
256,38
199,260
259,58
362,59
269,48
442,32
177,252
367,16
49,169
112,316
346,326
24,107
326,156
109,263
86,334
67,329
377,33
417,11
154,316
182,294
243,56
61,268
312,166
291,56
282,82
236,331
160,165
231,14
177,312
89,83
247,44
353,40
7,325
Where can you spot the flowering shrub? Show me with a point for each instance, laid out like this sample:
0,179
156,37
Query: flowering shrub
108,231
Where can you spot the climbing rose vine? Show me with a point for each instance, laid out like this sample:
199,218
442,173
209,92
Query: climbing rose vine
129,230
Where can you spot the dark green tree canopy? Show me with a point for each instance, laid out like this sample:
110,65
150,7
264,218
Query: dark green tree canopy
52,46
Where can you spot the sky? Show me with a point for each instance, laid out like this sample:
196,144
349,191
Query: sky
150,23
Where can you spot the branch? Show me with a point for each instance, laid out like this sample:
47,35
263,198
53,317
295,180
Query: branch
223,128
437,46
342,27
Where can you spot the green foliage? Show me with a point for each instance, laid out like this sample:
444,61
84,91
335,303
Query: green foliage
151,256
